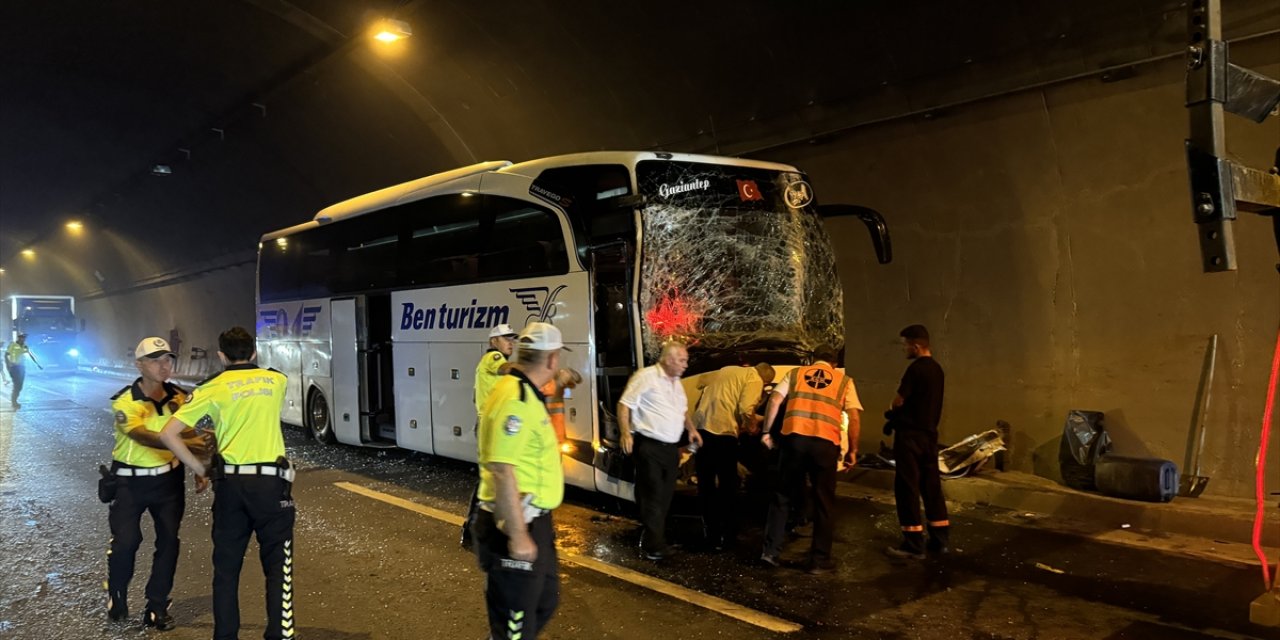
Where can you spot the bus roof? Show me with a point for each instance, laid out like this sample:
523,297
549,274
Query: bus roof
445,182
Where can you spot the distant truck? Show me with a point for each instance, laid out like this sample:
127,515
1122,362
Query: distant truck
51,328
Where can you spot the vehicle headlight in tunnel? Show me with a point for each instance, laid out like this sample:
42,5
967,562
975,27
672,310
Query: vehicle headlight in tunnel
73,352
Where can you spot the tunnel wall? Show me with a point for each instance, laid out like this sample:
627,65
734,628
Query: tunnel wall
1045,238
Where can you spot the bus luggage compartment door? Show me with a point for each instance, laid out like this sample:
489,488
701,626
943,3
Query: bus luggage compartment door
453,408
413,396
345,342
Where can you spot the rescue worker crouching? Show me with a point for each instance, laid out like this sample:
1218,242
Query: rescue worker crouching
521,482
252,481
145,477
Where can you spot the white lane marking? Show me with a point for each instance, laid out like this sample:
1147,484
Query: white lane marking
719,605
445,516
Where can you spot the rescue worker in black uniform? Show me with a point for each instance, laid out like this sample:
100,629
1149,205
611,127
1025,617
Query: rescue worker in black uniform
252,481
913,420
145,477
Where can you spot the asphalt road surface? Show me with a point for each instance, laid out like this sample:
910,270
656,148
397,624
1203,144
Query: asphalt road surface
377,556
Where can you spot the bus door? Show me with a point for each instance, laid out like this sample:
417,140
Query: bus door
363,409
345,342
378,371
612,276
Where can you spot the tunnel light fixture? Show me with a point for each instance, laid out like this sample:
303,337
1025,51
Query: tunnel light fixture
390,30
161,170
75,226
29,253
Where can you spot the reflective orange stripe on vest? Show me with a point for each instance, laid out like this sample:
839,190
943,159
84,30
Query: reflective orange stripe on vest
815,403
555,409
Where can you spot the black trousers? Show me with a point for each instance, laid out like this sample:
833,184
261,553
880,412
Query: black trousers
18,374
657,464
814,459
164,496
520,596
263,506
716,464
916,476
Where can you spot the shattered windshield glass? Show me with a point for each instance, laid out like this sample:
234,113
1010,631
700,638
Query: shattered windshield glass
735,259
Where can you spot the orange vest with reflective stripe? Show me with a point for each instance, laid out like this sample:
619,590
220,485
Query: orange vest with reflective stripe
555,409
815,402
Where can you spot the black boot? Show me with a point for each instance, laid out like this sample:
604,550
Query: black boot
117,607
939,540
912,547
158,618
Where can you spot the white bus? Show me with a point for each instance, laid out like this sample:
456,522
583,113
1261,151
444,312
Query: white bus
379,308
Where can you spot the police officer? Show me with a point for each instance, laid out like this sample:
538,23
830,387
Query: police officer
252,481
13,355
147,478
812,430
492,366
521,482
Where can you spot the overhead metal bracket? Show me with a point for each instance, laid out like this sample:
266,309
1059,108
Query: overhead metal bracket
1220,186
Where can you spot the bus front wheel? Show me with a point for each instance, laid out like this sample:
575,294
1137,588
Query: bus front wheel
318,417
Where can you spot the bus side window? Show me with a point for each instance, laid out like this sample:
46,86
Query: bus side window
442,244
525,241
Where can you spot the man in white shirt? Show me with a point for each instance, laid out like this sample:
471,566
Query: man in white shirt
725,410
652,415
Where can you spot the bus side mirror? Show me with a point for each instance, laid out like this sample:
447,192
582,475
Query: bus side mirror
875,225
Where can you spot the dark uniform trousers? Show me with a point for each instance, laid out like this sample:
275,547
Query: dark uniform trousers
263,506
657,464
801,458
916,476
164,496
520,596
716,464
18,374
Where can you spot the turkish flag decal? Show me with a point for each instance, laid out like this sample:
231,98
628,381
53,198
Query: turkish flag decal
748,191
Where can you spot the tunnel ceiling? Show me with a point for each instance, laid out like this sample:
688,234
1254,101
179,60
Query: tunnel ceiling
94,94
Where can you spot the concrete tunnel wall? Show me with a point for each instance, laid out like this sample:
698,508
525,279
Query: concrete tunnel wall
1045,239
1043,236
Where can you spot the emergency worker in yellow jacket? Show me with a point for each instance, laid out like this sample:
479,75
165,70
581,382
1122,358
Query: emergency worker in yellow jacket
818,399
252,481
145,477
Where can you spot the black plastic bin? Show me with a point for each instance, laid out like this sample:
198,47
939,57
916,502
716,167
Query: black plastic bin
1150,479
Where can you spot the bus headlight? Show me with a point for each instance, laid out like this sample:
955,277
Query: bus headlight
73,352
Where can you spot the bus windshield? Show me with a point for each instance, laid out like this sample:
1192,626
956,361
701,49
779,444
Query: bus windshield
735,259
